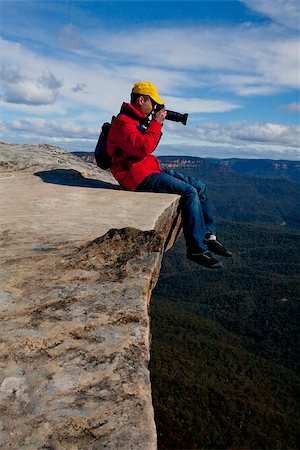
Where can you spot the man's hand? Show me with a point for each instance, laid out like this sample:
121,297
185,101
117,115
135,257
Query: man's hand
160,115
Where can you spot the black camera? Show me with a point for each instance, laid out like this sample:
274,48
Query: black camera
173,115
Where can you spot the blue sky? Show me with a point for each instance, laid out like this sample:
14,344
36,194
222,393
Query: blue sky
234,66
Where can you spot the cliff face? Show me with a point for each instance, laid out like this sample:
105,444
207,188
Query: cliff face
79,258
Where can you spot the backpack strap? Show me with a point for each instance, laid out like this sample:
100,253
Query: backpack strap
142,120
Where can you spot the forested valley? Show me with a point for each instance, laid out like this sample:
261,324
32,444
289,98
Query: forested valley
224,354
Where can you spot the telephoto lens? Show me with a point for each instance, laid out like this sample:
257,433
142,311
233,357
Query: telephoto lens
173,115
177,117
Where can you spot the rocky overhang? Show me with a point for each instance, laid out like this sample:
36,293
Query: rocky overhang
79,259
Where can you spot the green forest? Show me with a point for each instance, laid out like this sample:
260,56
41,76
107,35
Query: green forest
224,354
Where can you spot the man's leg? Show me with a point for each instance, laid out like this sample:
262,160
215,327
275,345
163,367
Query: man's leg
192,216
210,226
210,237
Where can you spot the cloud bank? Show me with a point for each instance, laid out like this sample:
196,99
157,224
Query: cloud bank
257,140
61,87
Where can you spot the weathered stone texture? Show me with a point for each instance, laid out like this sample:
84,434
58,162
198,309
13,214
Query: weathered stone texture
79,259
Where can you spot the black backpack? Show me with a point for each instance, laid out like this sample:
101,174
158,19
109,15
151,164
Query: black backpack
103,159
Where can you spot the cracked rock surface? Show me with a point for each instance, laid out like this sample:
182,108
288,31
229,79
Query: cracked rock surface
79,259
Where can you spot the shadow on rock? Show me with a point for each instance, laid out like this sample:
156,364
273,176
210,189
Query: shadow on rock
71,177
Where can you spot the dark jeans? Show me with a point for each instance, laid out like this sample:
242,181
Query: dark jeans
196,217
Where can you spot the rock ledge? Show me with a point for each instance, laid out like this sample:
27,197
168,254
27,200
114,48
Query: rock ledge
79,259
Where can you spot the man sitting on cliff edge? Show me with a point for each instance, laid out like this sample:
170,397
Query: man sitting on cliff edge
131,142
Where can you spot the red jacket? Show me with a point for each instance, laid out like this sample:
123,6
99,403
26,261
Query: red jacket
131,149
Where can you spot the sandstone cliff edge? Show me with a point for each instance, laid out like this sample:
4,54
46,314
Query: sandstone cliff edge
79,259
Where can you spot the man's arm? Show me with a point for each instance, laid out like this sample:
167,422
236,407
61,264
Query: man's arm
128,137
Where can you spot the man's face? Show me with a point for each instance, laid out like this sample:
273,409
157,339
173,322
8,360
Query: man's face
147,106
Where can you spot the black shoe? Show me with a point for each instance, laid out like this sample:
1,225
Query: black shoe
205,259
216,247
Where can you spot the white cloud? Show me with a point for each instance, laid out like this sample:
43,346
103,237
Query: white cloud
80,87
240,132
273,133
293,107
18,88
51,129
286,12
48,80
199,105
67,135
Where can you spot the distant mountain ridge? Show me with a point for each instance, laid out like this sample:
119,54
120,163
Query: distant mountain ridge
266,168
